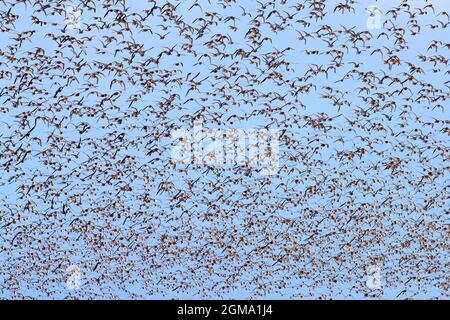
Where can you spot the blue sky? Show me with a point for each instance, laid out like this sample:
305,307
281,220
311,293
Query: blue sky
135,272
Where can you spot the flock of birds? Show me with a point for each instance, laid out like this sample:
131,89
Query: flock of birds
88,103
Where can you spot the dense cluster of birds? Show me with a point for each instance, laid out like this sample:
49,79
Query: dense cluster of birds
90,92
